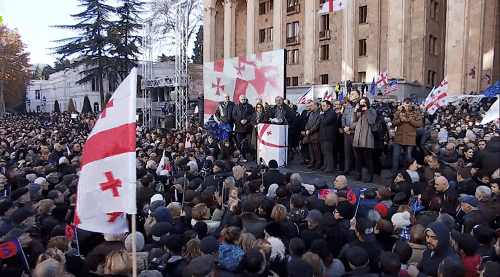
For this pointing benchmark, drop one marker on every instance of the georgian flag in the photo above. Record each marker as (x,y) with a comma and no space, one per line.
(333,6)
(382,79)
(107,183)
(437,97)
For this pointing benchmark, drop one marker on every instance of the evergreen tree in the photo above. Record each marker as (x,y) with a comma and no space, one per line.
(71,106)
(123,36)
(87,108)
(91,43)
(57,109)
(198,47)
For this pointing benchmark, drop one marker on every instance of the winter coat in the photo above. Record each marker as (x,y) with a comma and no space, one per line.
(346,116)
(472,219)
(242,111)
(224,112)
(406,133)
(273,177)
(253,224)
(328,126)
(312,125)
(432,258)
(489,207)
(363,137)
(288,113)
(488,159)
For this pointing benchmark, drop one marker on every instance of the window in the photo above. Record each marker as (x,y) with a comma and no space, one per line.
(291,81)
(362,76)
(262,8)
(363,12)
(95,84)
(37,94)
(434,9)
(270,34)
(325,22)
(362,47)
(431,77)
(271,6)
(262,35)
(292,56)
(324,52)
(96,107)
(292,6)
(323,78)
(432,44)
(291,3)
(292,29)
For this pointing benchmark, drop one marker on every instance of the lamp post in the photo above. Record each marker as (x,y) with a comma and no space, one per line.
(28,102)
(44,100)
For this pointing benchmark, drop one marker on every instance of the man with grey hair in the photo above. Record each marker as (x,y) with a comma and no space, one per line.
(49,268)
(489,206)
(242,113)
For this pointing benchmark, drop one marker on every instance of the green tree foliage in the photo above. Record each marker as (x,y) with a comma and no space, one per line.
(14,69)
(124,36)
(91,44)
(198,47)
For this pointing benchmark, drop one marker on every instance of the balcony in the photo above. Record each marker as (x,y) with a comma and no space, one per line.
(293,9)
(324,35)
(292,41)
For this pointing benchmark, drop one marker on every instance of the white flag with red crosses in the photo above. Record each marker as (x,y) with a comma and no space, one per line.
(107,183)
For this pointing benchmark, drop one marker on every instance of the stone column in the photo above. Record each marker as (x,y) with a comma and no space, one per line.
(229,29)
(279,24)
(349,40)
(208,33)
(396,39)
(252,22)
(456,43)
(474,46)
(308,38)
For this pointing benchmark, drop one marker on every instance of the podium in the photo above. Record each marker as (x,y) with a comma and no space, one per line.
(272,143)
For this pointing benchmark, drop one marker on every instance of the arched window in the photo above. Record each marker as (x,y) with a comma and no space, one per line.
(96,107)
(38,109)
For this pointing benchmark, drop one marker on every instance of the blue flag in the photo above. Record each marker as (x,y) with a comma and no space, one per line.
(492,91)
(341,95)
(372,88)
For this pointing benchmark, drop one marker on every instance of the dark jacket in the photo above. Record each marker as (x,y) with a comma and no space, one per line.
(288,114)
(472,219)
(328,126)
(432,258)
(490,208)
(224,112)
(488,159)
(253,224)
(273,177)
(312,125)
(242,111)
(365,205)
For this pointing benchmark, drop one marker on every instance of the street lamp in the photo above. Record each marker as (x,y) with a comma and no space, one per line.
(28,102)
(44,100)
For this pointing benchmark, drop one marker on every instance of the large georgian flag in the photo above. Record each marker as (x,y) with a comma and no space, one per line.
(107,184)
(382,79)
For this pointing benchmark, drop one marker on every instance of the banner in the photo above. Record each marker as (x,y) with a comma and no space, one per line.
(258,76)
(272,143)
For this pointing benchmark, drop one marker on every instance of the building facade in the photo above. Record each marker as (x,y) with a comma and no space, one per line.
(418,41)
(44,95)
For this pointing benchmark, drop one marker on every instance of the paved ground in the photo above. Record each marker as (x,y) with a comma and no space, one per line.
(309,176)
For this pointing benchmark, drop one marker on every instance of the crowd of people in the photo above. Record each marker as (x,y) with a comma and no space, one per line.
(203,211)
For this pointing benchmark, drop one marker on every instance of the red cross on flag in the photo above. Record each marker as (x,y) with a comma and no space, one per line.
(382,79)
(107,184)
(333,6)
(437,97)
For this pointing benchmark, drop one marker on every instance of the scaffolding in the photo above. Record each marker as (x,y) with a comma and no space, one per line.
(147,73)
(181,77)
(179,81)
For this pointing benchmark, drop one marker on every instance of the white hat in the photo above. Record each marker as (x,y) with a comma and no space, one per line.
(40,181)
(156,197)
(63,160)
(401,219)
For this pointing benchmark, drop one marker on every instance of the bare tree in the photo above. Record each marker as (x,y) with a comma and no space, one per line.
(164,18)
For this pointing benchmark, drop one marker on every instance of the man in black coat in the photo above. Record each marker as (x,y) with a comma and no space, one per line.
(224,111)
(273,176)
(242,113)
(327,134)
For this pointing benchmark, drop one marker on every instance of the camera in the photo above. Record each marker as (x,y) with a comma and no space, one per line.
(360,109)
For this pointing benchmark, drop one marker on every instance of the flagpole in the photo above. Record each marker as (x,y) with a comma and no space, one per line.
(346,48)
(134,248)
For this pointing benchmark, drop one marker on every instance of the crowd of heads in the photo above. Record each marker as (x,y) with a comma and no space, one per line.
(203,212)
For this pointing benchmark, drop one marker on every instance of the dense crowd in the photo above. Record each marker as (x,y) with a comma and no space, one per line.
(203,211)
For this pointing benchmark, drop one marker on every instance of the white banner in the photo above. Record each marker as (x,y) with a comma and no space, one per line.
(272,143)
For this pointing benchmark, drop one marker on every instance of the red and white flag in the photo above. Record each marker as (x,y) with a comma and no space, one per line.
(333,6)
(307,96)
(437,97)
(329,96)
(107,183)
(382,79)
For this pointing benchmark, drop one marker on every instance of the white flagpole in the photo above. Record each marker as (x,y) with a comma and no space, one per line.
(347,47)
(134,248)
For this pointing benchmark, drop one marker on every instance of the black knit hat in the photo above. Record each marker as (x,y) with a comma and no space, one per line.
(357,256)
(209,245)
